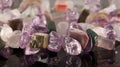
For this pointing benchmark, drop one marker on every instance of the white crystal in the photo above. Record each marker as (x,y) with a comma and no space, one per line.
(62,27)
(86,26)
(6,32)
(13,41)
(100,31)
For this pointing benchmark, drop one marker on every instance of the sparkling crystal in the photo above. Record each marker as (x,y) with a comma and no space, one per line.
(62,28)
(14,39)
(72,46)
(25,37)
(39,40)
(55,42)
(72,15)
(6,32)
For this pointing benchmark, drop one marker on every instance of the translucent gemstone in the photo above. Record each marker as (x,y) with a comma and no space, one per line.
(25,37)
(80,36)
(105,43)
(6,32)
(72,15)
(55,42)
(72,46)
(62,28)
(13,41)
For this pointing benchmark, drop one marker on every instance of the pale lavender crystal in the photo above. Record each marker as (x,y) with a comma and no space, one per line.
(72,46)
(72,15)
(55,42)
(5,4)
(25,36)
(39,23)
(75,26)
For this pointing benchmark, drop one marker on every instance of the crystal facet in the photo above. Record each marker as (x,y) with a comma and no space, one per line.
(6,32)
(55,42)
(72,46)
(13,41)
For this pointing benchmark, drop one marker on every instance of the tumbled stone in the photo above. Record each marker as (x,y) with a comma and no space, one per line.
(105,43)
(81,36)
(14,39)
(72,46)
(83,16)
(39,40)
(6,32)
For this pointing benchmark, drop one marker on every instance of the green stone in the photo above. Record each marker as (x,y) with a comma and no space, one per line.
(83,16)
(93,35)
(50,25)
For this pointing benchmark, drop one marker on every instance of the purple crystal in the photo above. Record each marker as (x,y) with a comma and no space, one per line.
(72,46)
(72,15)
(39,24)
(25,36)
(55,42)
(75,26)
(5,4)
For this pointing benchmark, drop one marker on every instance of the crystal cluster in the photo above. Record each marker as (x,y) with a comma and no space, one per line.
(87,35)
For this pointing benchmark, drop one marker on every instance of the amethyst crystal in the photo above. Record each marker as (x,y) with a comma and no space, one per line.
(72,46)
(55,42)
(25,36)
(5,4)
(72,15)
